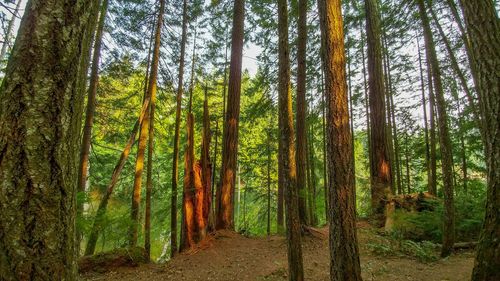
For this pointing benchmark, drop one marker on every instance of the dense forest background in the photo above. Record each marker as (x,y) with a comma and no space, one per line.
(123,65)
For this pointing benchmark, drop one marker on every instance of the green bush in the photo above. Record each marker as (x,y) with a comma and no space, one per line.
(427,225)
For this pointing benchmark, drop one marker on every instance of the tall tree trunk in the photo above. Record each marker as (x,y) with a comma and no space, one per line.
(344,253)
(224,93)
(268,179)
(287,149)
(444,138)
(312,190)
(365,89)
(225,202)
(407,162)
(10,27)
(204,198)
(323,125)
(301,109)
(144,131)
(483,27)
(391,120)
(41,110)
(351,115)
(89,115)
(175,162)
(389,110)
(189,230)
(426,129)
(381,175)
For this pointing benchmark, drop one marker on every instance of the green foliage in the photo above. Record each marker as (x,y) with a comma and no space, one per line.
(427,225)
(424,251)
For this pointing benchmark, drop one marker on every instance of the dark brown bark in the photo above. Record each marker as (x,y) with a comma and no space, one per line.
(366,99)
(344,253)
(41,106)
(325,170)
(224,93)
(392,126)
(144,130)
(206,175)
(301,110)
(444,138)
(175,162)
(483,27)
(287,149)
(189,230)
(312,189)
(381,175)
(225,204)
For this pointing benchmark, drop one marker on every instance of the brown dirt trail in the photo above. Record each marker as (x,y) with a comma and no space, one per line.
(230,256)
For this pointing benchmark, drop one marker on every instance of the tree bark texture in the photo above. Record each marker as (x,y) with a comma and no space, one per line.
(40,120)
(483,27)
(344,252)
(381,175)
(301,110)
(225,202)
(287,150)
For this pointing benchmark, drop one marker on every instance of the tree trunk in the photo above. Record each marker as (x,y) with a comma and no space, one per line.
(301,110)
(381,175)
(144,131)
(89,115)
(204,198)
(175,162)
(225,202)
(287,149)
(325,170)
(312,190)
(407,162)
(188,234)
(444,138)
(344,253)
(351,115)
(483,27)
(426,129)
(41,110)
(268,179)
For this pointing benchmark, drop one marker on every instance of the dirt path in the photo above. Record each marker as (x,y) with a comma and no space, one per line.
(229,256)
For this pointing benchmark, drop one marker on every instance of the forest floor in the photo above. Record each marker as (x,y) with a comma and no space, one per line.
(230,256)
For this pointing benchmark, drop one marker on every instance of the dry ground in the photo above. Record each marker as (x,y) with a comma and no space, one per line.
(229,256)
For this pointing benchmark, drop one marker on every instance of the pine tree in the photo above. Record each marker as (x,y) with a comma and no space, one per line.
(344,253)
(381,175)
(286,153)
(225,202)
